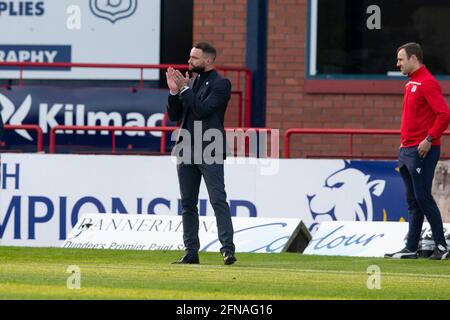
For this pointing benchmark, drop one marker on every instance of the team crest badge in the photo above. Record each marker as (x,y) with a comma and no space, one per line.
(113,10)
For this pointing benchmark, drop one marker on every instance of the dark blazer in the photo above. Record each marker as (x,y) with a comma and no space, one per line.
(208,105)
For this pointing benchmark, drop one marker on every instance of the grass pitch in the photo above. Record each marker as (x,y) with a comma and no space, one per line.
(40,273)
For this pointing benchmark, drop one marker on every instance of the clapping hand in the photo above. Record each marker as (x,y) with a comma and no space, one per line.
(176,80)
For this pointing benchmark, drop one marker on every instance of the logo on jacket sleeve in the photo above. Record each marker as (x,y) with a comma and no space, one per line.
(113,10)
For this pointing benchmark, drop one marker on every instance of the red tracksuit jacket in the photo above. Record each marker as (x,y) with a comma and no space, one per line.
(425,111)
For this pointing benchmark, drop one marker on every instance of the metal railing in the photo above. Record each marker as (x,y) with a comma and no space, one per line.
(34,127)
(349,132)
(163,129)
(242,74)
(52,139)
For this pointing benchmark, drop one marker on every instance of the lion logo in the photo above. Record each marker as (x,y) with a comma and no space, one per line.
(345,195)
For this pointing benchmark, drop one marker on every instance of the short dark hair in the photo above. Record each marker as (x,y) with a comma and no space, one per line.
(412,48)
(206,48)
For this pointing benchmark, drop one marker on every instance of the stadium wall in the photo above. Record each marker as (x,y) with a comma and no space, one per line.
(289,104)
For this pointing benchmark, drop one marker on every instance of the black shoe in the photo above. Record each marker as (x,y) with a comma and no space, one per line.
(229,258)
(189,258)
(402,254)
(439,253)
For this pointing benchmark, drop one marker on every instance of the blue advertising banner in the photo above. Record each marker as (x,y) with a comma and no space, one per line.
(384,183)
(44,195)
(35,53)
(342,190)
(52,106)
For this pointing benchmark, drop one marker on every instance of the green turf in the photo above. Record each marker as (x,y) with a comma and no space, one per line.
(40,273)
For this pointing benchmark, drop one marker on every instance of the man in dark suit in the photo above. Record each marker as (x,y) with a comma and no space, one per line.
(199,104)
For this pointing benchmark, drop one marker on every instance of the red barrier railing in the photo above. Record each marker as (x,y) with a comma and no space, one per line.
(350,132)
(244,94)
(34,127)
(162,146)
(52,139)
(163,130)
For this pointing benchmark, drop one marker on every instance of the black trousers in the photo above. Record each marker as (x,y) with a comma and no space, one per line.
(417,174)
(189,176)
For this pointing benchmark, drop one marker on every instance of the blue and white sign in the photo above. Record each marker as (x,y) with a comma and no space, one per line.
(80,31)
(363,239)
(35,53)
(42,196)
(136,232)
(336,190)
(49,107)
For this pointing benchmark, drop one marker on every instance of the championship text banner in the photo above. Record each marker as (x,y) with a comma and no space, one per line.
(43,195)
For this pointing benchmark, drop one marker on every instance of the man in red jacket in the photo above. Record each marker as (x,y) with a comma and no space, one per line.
(425,117)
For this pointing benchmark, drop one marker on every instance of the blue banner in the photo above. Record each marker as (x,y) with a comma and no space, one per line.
(35,53)
(390,203)
(355,191)
(52,106)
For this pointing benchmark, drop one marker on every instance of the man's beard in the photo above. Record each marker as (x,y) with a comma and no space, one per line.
(198,69)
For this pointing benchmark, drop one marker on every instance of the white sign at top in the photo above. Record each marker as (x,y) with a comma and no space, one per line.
(80,31)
